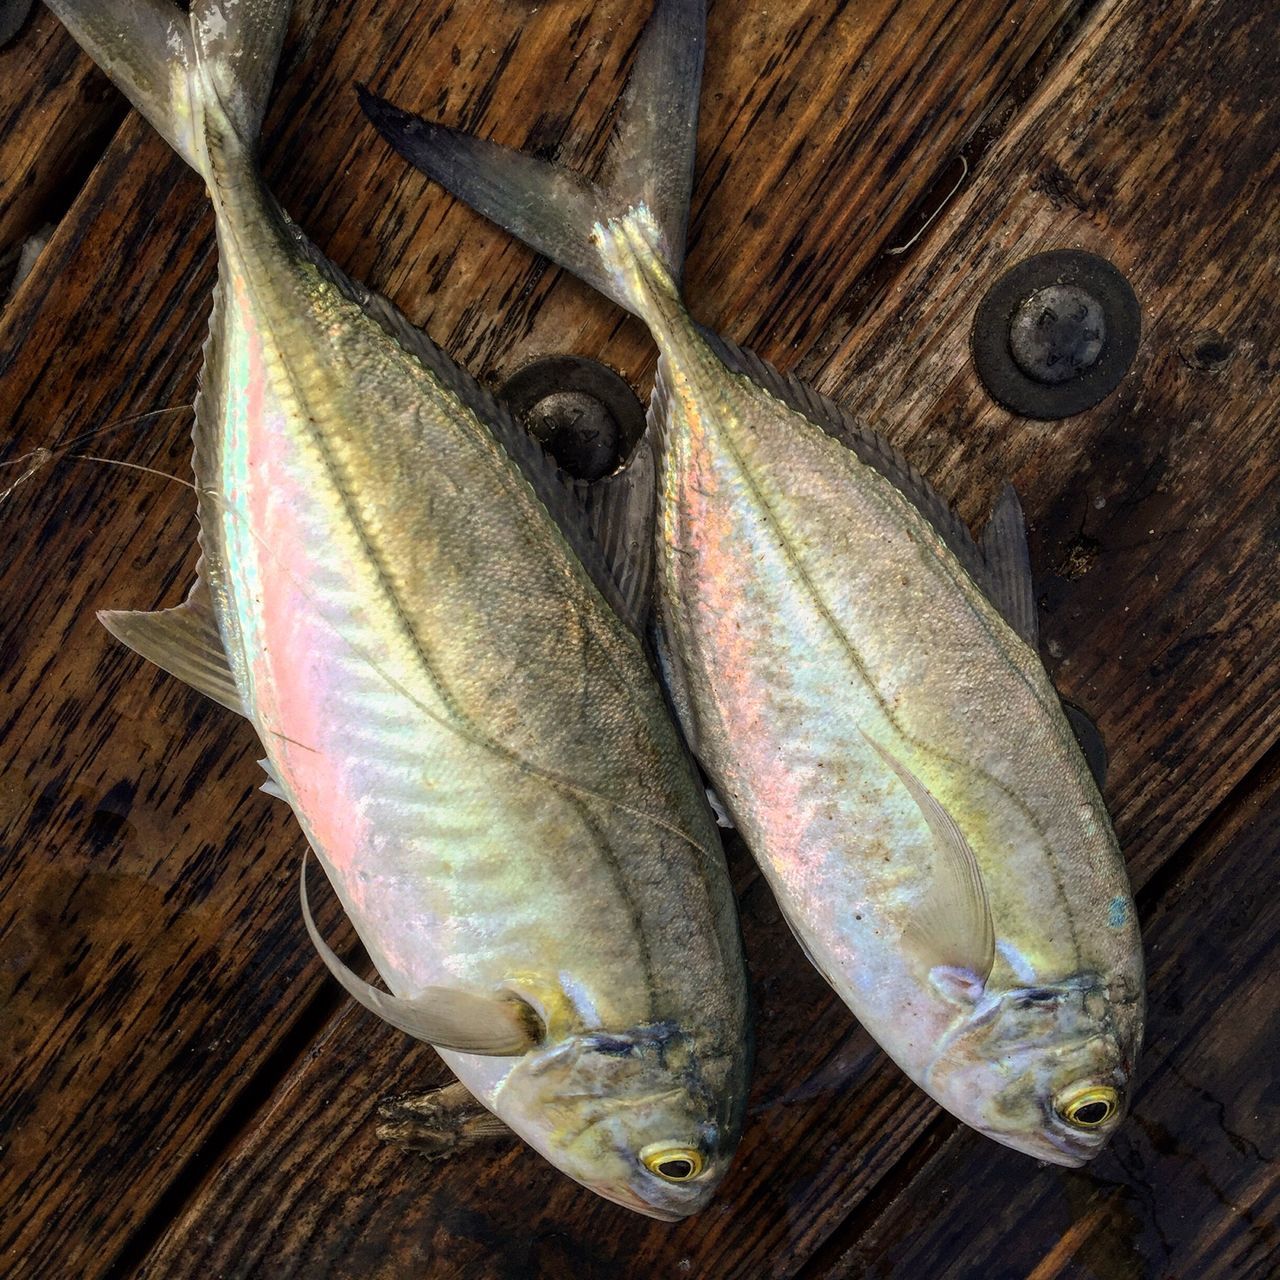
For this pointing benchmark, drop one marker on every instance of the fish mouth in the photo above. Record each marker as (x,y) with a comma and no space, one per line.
(1050,1147)
(1076,1154)
(629,1200)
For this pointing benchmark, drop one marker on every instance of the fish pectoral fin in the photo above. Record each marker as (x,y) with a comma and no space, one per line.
(1004,547)
(183,641)
(492,1025)
(439,1122)
(952,930)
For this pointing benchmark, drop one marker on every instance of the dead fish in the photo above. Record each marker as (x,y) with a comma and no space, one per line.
(470,735)
(858,677)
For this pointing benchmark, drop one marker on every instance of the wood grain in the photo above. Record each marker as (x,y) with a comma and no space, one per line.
(156,980)
(822,123)
(308,1190)
(1157,573)
(1154,515)
(57,113)
(832,1118)
(191,939)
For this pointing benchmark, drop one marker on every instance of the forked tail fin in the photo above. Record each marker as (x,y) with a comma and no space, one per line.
(642,199)
(173,65)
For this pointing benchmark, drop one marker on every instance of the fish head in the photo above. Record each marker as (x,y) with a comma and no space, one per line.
(631,1115)
(1046,1070)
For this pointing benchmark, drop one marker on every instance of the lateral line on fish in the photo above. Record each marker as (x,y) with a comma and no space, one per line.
(212,132)
(229,221)
(341,484)
(851,650)
(485,743)
(959,579)
(609,856)
(476,739)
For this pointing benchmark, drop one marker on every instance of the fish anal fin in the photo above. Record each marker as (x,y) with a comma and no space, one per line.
(439,1123)
(723,817)
(490,1025)
(620,511)
(952,931)
(273,786)
(1004,548)
(184,641)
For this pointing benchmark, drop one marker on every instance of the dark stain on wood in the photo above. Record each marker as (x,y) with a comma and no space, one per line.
(184,1094)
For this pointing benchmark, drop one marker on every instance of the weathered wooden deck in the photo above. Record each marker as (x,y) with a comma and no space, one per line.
(185,1093)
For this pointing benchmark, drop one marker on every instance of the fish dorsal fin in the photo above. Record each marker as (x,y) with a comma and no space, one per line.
(869,446)
(491,1025)
(559,494)
(952,930)
(620,511)
(183,641)
(1004,547)
(1089,738)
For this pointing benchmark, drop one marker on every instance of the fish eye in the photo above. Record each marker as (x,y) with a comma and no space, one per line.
(1090,1108)
(674,1164)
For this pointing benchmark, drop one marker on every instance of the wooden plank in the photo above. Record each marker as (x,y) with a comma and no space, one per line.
(821,125)
(1154,514)
(57,113)
(152,957)
(1157,573)
(1191,1185)
(832,1118)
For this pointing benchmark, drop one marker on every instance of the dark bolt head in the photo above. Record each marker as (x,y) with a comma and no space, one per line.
(1057,332)
(580,411)
(578,431)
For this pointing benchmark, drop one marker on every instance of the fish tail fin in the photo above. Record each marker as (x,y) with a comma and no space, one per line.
(180,68)
(594,230)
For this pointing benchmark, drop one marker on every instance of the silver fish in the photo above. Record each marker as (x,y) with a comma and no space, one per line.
(857,676)
(471,737)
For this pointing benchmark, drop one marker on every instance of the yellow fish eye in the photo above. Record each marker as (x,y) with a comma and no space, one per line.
(1090,1108)
(673,1164)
